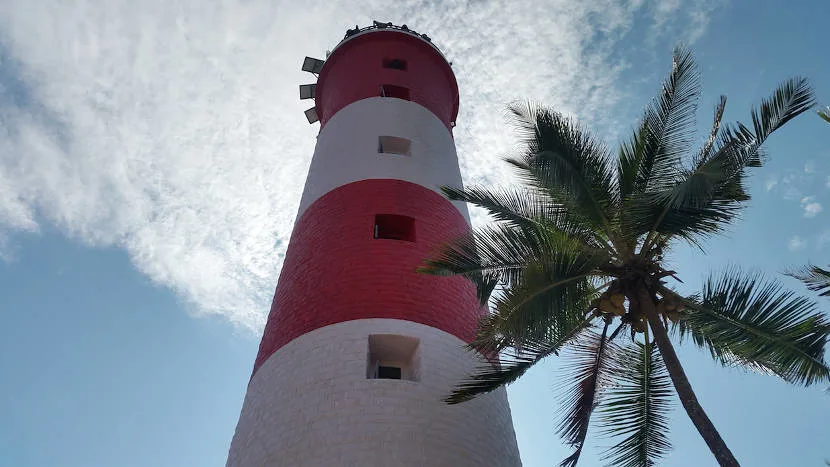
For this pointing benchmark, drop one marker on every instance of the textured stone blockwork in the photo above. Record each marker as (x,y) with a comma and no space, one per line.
(311,404)
(355,72)
(335,270)
(347,149)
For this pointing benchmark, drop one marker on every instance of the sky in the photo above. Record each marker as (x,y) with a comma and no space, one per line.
(152,156)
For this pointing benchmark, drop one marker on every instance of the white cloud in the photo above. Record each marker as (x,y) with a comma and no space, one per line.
(173,129)
(770,183)
(792,194)
(809,167)
(692,15)
(810,206)
(823,239)
(812,209)
(791,183)
(796,243)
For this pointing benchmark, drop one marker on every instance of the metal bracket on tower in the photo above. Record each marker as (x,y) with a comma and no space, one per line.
(313,65)
(311,115)
(308,91)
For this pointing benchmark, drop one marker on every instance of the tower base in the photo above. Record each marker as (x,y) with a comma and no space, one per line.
(320,400)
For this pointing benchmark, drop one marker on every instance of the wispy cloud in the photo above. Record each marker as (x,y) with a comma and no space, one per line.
(812,209)
(791,184)
(794,186)
(810,206)
(173,129)
(796,243)
(693,15)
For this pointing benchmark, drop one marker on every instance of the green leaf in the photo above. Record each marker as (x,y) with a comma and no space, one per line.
(583,380)
(815,278)
(703,204)
(651,160)
(534,305)
(744,321)
(790,99)
(504,253)
(824,114)
(526,207)
(487,255)
(635,410)
(706,150)
(712,193)
(522,206)
(513,364)
(563,159)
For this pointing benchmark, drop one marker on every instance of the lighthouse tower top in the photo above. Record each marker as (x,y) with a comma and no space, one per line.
(388,61)
(378,26)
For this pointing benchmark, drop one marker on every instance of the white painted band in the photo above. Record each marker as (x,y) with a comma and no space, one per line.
(311,404)
(347,149)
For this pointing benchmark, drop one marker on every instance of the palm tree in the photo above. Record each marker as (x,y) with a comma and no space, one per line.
(575,260)
(825,114)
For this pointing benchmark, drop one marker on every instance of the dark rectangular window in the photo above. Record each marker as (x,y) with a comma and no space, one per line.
(394,145)
(394,64)
(392,356)
(389,372)
(394,227)
(391,90)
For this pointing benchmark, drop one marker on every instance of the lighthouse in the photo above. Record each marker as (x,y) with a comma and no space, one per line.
(359,349)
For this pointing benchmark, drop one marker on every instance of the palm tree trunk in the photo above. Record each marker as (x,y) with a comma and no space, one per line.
(681,384)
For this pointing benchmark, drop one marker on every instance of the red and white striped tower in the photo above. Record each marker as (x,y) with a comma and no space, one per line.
(359,348)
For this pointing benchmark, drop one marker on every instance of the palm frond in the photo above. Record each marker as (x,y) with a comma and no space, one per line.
(651,160)
(631,155)
(745,321)
(815,278)
(513,364)
(562,158)
(792,98)
(534,305)
(824,114)
(704,203)
(526,207)
(517,206)
(583,382)
(502,253)
(712,193)
(487,255)
(635,410)
(706,150)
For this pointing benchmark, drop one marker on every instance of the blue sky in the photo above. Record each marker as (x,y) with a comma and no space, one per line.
(151,162)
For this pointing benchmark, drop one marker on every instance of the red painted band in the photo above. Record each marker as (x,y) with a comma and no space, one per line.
(355,71)
(335,270)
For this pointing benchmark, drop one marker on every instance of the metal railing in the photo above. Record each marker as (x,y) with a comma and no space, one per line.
(377,25)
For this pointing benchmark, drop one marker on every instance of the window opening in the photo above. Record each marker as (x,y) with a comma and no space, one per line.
(394,227)
(394,64)
(388,372)
(392,356)
(394,145)
(391,90)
